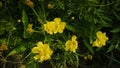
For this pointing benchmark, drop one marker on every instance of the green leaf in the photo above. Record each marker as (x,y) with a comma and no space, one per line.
(77,61)
(117,16)
(111,47)
(62,6)
(94,1)
(71,28)
(118,48)
(98,49)
(25,23)
(106,18)
(89,47)
(32,64)
(115,30)
(17,50)
(111,58)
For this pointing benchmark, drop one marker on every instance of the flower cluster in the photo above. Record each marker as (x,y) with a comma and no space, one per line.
(43,52)
(72,44)
(101,39)
(55,26)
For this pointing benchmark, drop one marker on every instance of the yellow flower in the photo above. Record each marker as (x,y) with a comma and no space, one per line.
(3,47)
(54,26)
(29,28)
(101,39)
(72,44)
(57,20)
(50,27)
(43,52)
(59,25)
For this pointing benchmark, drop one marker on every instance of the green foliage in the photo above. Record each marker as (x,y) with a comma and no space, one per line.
(25,23)
(17,50)
(83,18)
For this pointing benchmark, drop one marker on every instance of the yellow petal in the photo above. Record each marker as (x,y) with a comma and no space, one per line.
(39,44)
(45,27)
(97,43)
(74,37)
(50,27)
(74,45)
(67,44)
(61,27)
(57,20)
(35,50)
(36,57)
(42,58)
(47,50)
(99,34)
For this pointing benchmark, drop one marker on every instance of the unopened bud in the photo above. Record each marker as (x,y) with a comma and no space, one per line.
(29,29)
(19,21)
(72,18)
(14,28)
(29,3)
(90,57)
(50,6)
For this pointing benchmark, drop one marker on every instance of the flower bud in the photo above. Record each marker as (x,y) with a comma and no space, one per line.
(29,3)
(50,6)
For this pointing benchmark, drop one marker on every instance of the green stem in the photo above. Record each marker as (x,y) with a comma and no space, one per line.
(65,65)
(77,60)
(89,47)
(43,11)
(39,19)
(27,56)
(51,64)
(10,33)
(106,4)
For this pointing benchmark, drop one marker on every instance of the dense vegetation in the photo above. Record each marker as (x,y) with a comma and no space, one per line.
(59,33)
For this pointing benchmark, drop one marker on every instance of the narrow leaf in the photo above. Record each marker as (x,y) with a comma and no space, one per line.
(25,23)
(115,30)
(32,64)
(17,50)
(89,47)
(112,58)
(111,47)
(70,28)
